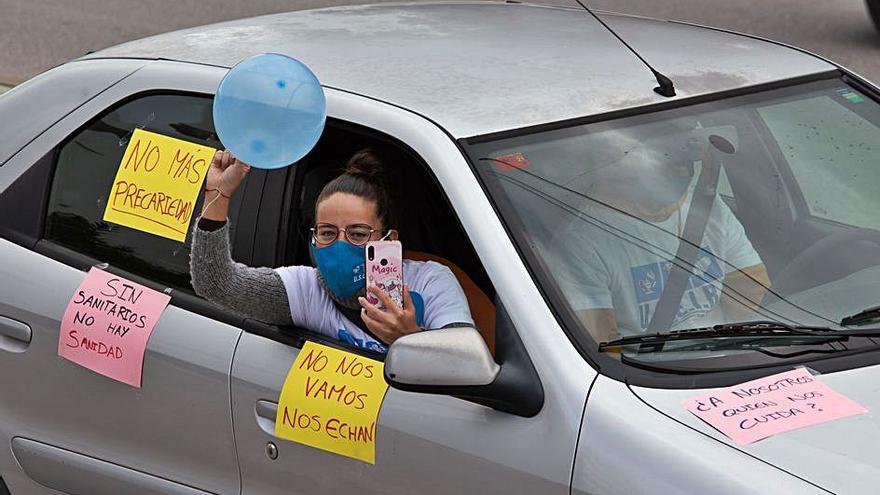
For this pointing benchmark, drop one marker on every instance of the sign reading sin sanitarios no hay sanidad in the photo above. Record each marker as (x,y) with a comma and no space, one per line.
(107,324)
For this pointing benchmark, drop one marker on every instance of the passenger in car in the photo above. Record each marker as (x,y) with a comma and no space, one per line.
(622,244)
(352,209)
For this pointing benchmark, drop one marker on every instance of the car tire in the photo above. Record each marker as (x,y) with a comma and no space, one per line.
(874,10)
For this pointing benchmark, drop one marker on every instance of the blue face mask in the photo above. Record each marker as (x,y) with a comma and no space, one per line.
(342,266)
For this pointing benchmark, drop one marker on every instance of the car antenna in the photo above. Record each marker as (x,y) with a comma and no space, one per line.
(665,87)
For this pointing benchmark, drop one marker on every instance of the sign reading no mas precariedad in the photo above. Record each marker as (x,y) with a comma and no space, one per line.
(157,184)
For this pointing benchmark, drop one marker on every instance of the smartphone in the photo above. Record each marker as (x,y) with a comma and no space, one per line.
(384,265)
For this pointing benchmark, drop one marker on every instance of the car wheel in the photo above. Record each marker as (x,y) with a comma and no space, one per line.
(874,10)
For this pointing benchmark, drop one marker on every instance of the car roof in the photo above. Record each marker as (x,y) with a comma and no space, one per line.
(480,68)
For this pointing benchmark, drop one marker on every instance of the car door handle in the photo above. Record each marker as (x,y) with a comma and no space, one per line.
(15,336)
(266,411)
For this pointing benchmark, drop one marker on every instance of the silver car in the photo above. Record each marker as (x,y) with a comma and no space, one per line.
(501,118)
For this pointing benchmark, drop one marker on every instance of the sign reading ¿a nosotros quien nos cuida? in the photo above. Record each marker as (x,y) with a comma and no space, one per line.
(768,406)
(157,184)
(331,401)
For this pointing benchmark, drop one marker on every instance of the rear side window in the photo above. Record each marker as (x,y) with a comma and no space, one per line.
(86,166)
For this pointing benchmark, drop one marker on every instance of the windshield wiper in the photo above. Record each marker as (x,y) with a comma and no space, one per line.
(862,317)
(744,329)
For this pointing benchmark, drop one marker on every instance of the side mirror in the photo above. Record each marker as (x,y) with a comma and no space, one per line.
(456,362)
(450,357)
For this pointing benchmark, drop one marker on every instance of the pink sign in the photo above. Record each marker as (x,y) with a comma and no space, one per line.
(107,324)
(761,408)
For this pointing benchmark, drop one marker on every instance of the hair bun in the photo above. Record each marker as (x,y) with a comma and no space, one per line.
(365,163)
(364,177)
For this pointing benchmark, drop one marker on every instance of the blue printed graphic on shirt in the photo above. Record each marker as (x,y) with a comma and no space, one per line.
(373,345)
(419,304)
(702,293)
(369,344)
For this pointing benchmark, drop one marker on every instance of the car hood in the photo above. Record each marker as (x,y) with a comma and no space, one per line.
(842,456)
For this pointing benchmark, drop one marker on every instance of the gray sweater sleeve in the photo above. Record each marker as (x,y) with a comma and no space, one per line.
(256,293)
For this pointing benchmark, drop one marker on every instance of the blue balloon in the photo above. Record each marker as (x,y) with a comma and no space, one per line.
(269,110)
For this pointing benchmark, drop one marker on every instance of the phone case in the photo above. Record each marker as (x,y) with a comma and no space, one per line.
(384,265)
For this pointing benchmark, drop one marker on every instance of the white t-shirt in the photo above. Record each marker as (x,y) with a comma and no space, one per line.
(622,263)
(437,297)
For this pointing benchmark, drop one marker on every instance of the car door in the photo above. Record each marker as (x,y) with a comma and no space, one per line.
(426,443)
(63,427)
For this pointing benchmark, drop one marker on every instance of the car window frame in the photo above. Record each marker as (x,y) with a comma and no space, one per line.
(259,210)
(171,76)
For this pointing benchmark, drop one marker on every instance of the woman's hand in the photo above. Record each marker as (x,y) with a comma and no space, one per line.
(393,322)
(226,172)
(224,177)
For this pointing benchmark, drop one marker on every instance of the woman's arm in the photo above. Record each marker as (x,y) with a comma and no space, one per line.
(256,293)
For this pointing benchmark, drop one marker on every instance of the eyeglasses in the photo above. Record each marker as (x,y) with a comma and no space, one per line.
(358,234)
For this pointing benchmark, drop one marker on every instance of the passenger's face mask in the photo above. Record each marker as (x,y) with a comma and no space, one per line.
(651,183)
(342,266)
(664,190)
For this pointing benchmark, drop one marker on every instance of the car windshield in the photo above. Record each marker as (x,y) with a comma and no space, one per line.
(761,207)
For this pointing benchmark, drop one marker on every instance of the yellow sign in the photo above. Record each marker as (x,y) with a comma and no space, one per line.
(331,401)
(157,184)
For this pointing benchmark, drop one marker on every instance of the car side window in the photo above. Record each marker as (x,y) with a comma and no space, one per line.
(426,221)
(85,169)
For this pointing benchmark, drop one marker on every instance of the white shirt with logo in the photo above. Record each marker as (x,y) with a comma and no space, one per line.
(615,261)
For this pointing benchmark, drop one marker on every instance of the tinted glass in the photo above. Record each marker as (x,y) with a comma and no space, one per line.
(612,213)
(87,164)
(831,140)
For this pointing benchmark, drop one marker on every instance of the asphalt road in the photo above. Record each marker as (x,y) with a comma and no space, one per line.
(38,34)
